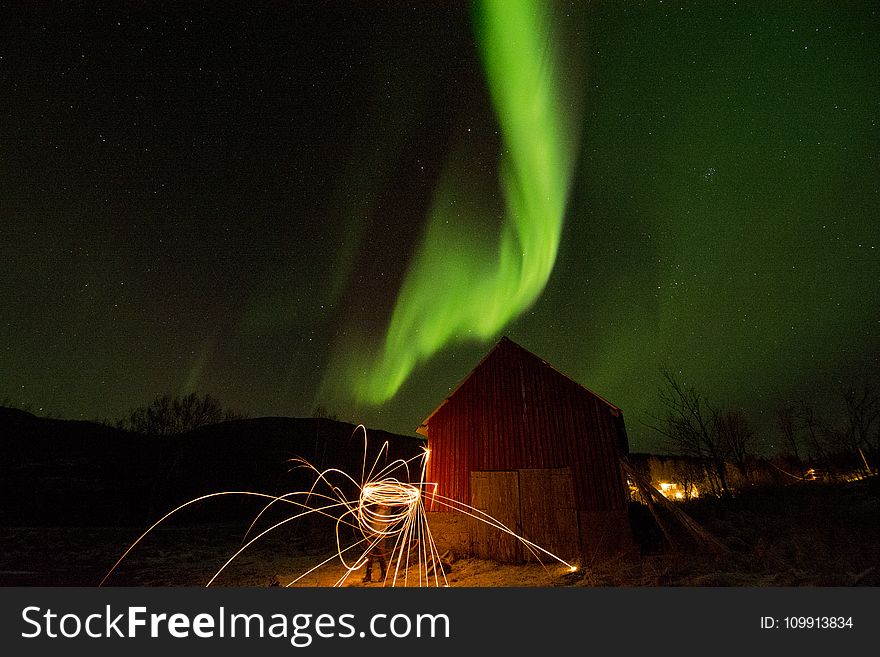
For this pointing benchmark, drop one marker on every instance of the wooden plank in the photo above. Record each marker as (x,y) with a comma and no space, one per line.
(549,512)
(496,494)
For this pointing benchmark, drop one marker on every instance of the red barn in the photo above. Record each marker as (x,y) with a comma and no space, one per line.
(536,450)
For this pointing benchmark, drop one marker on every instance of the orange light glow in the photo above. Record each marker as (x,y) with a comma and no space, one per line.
(386,509)
(675,491)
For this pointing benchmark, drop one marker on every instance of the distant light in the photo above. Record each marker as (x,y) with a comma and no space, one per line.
(677,491)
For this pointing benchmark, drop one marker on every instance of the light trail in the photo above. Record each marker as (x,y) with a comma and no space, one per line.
(388,508)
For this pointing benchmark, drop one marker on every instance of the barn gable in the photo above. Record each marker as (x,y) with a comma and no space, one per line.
(515,413)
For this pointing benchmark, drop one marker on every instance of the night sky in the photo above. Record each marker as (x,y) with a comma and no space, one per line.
(232,202)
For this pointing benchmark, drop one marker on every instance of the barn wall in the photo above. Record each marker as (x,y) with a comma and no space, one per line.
(452,532)
(516,412)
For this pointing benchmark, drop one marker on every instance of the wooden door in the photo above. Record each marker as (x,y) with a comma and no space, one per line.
(548,512)
(496,494)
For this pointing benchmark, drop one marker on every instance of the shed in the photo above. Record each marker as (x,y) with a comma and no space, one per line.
(526,444)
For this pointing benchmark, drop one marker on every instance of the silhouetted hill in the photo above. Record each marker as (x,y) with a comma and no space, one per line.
(61,472)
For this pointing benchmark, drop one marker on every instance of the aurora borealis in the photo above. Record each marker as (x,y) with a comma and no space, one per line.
(459,286)
(254,203)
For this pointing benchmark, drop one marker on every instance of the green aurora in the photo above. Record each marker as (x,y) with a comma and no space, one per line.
(467,282)
(690,185)
(722,220)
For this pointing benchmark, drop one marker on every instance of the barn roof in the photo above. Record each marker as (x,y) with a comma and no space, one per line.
(505,343)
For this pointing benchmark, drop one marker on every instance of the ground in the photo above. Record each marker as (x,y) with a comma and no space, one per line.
(799,536)
(57,556)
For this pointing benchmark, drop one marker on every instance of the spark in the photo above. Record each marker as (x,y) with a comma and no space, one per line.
(388,507)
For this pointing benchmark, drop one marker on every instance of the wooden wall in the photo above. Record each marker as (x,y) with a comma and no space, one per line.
(516,412)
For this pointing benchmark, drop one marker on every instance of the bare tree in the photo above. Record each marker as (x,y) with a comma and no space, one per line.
(851,439)
(322,412)
(691,474)
(789,426)
(167,416)
(170,416)
(806,416)
(861,433)
(736,439)
(693,427)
